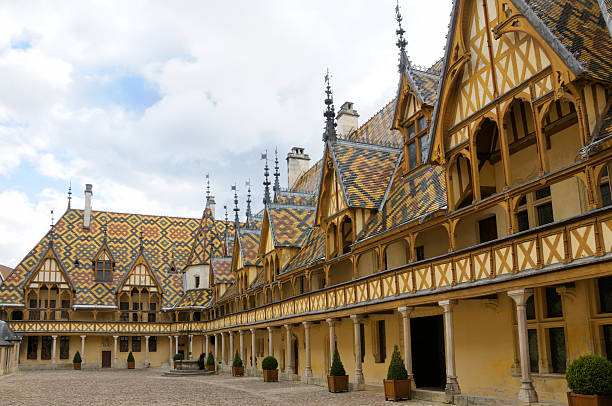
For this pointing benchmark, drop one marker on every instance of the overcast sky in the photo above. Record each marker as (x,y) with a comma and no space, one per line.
(143,98)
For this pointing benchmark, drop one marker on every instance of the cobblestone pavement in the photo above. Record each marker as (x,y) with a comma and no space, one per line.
(148,387)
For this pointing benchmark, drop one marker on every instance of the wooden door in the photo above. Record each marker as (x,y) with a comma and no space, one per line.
(106,359)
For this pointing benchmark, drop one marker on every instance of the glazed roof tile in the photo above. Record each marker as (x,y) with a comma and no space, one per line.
(427,85)
(309,181)
(166,240)
(421,193)
(296,198)
(249,246)
(202,247)
(222,270)
(377,130)
(290,225)
(195,298)
(313,250)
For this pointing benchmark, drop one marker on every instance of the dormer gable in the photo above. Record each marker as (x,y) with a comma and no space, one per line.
(140,275)
(49,271)
(103,264)
(332,198)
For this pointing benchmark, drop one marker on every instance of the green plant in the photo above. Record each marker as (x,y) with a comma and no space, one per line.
(130,357)
(397,370)
(590,375)
(269,363)
(237,361)
(77,358)
(178,357)
(337,369)
(210,360)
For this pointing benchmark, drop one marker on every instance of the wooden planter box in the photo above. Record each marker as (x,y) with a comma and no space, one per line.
(210,368)
(77,365)
(270,375)
(574,399)
(131,365)
(238,371)
(175,364)
(397,389)
(337,384)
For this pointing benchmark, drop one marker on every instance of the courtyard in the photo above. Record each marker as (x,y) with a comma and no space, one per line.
(148,387)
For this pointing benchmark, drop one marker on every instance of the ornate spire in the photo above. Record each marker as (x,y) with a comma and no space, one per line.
(225,207)
(276,175)
(248,208)
(207,187)
(266,183)
(330,114)
(210,199)
(52,232)
(69,193)
(236,209)
(401,41)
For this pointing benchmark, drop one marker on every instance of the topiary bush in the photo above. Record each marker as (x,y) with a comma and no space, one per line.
(269,363)
(77,358)
(397,369)
(210,360)
(237,360)
(590,375)
(337,369)
(130,357)
(178,357)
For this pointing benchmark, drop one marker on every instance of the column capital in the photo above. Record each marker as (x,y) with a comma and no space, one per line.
(271,328)
(520,296)
(176,337)
(405,310)
(83,337)
(307,324)
(447,305)
(252,330)
(331,322)
(170,337)
(241,332)
(287,326)
(357,318)
(230,333)
(54,337)
(147,337)
(115,337)
(190,335)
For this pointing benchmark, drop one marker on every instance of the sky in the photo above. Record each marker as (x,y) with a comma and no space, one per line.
(143,98)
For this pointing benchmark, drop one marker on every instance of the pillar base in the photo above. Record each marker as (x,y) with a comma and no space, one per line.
(289,371)
(527,393)
(452,387)
(359,378)
(412,383)
(308,373)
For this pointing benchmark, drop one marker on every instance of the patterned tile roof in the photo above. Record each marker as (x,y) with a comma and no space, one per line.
(436,68)
(427,85)
(229,293)
(309,181)
(259,280)
(165,239)
(196,298)
(222,270)
(201,249)
(249,246)
(290,225)
(377,130)
(364,171)
(422,193)
(313,250)
(296,198)
(580,27)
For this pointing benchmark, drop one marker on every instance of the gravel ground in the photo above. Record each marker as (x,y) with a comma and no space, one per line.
(148,387)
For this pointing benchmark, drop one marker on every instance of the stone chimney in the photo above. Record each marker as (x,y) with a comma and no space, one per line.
(347,120)
(210,204)
(87,211)
(297,163)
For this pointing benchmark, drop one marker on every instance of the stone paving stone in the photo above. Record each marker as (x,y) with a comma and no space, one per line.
(148,387)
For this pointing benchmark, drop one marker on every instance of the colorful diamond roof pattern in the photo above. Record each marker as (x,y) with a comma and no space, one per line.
(309,181)
(290,225)
(249,246)
(165,239)
(210,238)
(313,250)
(222,270)
(195,298)
(296,198)
(427,85)
(377,130)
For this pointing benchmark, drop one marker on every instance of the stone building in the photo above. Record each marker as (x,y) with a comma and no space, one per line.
(488,267)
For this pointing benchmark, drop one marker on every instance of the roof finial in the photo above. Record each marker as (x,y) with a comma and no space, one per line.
(276,175)
(248,208)
(207,187)
(401,41)
(225,207)
(141,242)
(330,114)
(104,228)
(69,193)
(266,183)
(52,232)
(236,209)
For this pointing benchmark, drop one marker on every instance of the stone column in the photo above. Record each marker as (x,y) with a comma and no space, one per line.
(216,348)
(289,361)
(83,349)
(53,351)
(176,344)
(147,363)
(527,392)
(115,352)
(271,341)
(223,360)
(230,335)
(405,312)
(190,346)
(253,360)
(452,385)
(332,340)
(308,370)
(170,351)
(357,327)
(242,347)
(207,338)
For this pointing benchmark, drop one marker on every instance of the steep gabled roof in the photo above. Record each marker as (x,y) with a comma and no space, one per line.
(195,298)
(296,198)
(222,270)
(248,241)
(202,247)
(309,181)
(377,130)
(313,251)
(290,225)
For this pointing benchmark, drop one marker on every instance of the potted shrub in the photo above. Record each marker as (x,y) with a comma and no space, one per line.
(130,361)
(177,357)
(237,366)
(397,385)
(270,369)
(337,380)
(590,380)
(76,361)
(210,362)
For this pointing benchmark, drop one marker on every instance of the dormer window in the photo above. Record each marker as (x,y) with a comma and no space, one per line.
(416,131)
(103,267)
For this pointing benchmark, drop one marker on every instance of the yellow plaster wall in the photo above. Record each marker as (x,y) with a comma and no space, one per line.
(397,254)
(467,233)
(434,240)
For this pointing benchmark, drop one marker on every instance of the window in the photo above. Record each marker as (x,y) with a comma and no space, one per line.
(135,307)
(545,213)
(65,305)
(556,336)
(197,281)
(487,229)
(103,267)
(152,316)
(136,344)
(64,347)
(553,303)
(381,341)
(607,332)
(153,344)
(415,141)
(32,347)
(534,359)
(534,209)
(522,218)
(605,294)
(124,343)
(45,348)
(362,338)
(33,314)
(420,252)
(124,307)
(604,188)
(412,155)
(422,123)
